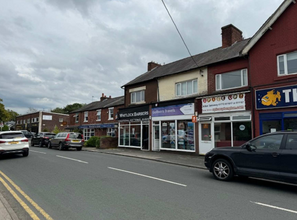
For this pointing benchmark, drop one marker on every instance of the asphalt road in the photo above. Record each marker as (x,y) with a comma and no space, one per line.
(83,185)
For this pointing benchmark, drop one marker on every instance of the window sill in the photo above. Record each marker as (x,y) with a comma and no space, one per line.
(285,77)
(110,119)
(136,103)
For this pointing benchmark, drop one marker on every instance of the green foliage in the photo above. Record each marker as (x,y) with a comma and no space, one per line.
(5,128)
(12,115)
(56,129)
(3,113)
(68,108)
(45,130)
(93,142)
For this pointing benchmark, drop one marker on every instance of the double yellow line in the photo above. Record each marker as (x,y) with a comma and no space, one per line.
(22,203)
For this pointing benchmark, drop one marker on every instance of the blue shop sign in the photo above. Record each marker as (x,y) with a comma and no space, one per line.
(280,97)
(182,109)
(97,126)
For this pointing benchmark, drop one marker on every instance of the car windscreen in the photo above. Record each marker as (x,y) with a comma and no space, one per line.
(74,135)
(11,135)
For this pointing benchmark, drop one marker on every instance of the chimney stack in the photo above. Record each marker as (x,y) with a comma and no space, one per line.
(103,97)
(230,34)
(151,65)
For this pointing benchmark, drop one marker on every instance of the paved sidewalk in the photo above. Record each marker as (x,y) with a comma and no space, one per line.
(178,158)
(6,212)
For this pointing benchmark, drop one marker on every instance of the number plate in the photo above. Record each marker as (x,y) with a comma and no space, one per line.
(75,141)
(13,142)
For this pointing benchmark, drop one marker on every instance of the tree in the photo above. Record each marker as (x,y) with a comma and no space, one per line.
(56,129)
(68,109)
(11,115)
(3,113)
(58,110)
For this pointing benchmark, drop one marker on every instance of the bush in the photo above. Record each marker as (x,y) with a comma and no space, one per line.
(93,142)
(56,129)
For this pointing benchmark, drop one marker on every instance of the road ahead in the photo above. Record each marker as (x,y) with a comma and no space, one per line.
(84,185)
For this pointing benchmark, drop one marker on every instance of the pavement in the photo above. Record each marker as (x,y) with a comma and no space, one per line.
(170,157)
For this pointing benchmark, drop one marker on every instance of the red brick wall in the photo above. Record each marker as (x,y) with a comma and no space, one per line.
(281,39)
(224,67)
(150,92)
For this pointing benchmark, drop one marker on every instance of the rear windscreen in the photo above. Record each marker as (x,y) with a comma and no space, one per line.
(11,135)
(49,135)
(77,136)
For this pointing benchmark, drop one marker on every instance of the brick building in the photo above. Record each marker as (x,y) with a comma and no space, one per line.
(97,118)
(42,121)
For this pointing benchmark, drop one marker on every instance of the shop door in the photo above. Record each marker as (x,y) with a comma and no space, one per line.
(145,137)
(205,138)
(156,138)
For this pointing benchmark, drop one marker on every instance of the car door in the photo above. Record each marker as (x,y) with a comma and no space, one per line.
(265,160)
(55,140)
(288,158)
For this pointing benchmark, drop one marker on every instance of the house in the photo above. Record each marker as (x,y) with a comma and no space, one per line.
(42,121)
(272,53)
(98,118)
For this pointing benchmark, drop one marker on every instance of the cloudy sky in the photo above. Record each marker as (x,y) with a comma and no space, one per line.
(58,52)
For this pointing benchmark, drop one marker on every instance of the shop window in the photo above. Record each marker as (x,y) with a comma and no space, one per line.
(230,80)
(135,135)
(110,113)
(99,115)
(290,124)
(111,132)
(185,135)
(186,88)
(88,133)
(222,134)
(168,134)
(241,133)
(271,126)
(86,116)
(137,97)
(206,132)
(287,64)
(124,135)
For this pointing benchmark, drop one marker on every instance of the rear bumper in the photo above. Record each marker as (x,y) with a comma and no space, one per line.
(16,151)
(73,145)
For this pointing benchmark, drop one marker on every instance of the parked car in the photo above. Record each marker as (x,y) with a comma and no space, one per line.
(42,138)
(270,156)
(27,134)
(14,142)
(66,140)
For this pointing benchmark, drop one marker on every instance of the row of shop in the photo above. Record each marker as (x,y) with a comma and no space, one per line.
(200,124)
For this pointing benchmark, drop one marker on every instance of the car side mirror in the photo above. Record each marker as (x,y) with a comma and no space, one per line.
(250,147)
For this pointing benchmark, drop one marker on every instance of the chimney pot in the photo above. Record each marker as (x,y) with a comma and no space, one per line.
(230,34)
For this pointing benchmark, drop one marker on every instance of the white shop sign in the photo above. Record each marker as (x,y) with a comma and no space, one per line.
(225,103)
(47,117)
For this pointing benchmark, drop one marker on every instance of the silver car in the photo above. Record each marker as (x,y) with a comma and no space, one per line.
(66,140)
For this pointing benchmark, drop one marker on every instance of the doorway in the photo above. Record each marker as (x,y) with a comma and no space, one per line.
(206,138)
(145,137)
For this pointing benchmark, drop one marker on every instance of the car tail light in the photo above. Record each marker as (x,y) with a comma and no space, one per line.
(67,138)
(82,140)
(46,137)
(2,142)
(25,140)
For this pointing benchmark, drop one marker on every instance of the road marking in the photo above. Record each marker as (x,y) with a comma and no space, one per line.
(38,152)
(274,207)
(151,177)
(22,203)
(68,158)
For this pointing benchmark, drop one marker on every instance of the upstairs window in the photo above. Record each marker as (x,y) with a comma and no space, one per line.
(76,117)
(85,116)
(110,114)
(28,120)
(230,80)
(186,88)
(287,64)
(137,96)
(99,115)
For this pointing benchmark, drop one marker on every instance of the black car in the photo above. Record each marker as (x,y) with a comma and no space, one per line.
(27,134)
(42,138)
(270,156)
(66,140)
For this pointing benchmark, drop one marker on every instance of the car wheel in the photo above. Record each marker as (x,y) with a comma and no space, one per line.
(40,144)
(26,153)
(78,149)
(49,145)
(222,170)
(61,146)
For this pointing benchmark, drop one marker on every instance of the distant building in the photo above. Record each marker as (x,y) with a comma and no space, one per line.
(41,121)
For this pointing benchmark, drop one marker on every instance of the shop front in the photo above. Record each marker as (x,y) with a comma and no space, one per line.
(277,109)
(91,130)
(225,121)
(134,127)
(173,128)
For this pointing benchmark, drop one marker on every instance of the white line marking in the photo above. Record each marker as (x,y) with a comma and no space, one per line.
(151,177)
(37,152)
(274,207)
(68,158)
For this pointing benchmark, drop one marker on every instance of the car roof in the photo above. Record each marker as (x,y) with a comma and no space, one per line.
(3,132)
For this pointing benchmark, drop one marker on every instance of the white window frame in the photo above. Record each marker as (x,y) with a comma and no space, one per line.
(285,64)
(133,97)
(24,121)
(109,113)
(76,116)
(244,80)
(28,120)
(99,114)
(86,116)
(178,87)
(111,131)
(61,119)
